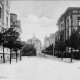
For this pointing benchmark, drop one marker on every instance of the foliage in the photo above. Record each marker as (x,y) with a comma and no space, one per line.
(23,43)
(60,45)
(1,38)
(49,50)
(74,40)
(49,47)
(17,45)
(9,37)
(28,50)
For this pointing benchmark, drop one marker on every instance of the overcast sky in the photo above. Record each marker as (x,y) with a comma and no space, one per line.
(39,17)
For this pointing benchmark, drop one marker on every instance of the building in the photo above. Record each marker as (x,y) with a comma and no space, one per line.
(50,40)
(5,13)
(46,42)
(16,24)
(68,22)
(37,44)
(4,23)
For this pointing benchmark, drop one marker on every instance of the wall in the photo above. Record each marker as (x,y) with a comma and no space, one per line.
(7,57)
(75,20)
(6,13)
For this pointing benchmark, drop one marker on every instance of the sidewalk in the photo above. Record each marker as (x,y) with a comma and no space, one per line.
(68,60)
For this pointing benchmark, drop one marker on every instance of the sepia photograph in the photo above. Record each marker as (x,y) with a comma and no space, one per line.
(39,40)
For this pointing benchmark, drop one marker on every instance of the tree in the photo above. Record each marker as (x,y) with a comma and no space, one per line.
(60,47)
(2,40)
(9,37)
(74,41)
(17,46)
(28,50)
(49,49)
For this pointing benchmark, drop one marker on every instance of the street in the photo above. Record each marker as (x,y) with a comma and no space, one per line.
(39,68)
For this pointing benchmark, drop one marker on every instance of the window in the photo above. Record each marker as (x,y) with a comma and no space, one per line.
(7,21)
(78,21)
(69,31)
(75,11)
(67,23)
(7,2)
(7,56)
(61,27)
(13,23)
(67,34)
(0,12)
(1,57)
(61,37)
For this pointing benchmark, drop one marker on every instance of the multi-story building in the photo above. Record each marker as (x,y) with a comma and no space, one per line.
(4,23)
(68,22)
(16,24)
(46,41)
(37,44)
(5,13)
(51,40)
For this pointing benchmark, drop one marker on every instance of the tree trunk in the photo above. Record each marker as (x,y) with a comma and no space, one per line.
(61,55)
(58,53)
(71,55)
(54,51)
(10,56)
(16,56)
(20,55)
(3,55)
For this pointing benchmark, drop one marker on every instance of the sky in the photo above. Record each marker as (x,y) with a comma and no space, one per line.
(39,17)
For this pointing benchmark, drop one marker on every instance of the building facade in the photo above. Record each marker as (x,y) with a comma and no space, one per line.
(51,40)
(68,22)
(4,23)
(46,42)
(5,13)
(37,44)
(16,24)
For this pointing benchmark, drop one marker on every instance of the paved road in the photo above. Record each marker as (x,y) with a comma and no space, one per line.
(39,68)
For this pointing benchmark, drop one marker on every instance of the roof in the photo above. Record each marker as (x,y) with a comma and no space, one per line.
(13,14)
(32,40)
(59,32)
(68,10)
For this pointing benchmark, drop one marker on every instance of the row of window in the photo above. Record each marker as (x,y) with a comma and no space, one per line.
(1,16)
(76,11)
(2,57)
(67,24)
